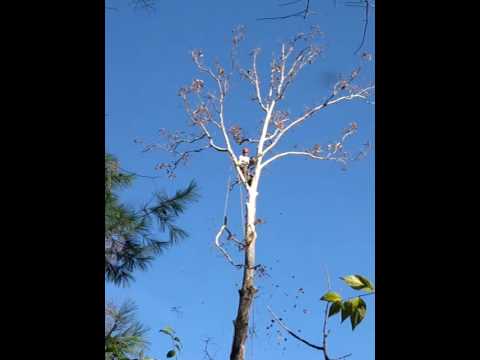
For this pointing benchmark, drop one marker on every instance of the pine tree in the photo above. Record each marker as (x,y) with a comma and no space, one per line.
(124,336)
(129,244)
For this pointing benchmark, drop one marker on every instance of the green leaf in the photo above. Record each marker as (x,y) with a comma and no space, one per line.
(346,310)
(358,282)
(168,330)
(335,308)
(358,314)
(177,346)
(171,353)
(353,281)
(368,285)
(177,339)
(331,296)
(355,302)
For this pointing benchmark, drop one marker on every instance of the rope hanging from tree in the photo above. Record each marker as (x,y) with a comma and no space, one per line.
(227,197)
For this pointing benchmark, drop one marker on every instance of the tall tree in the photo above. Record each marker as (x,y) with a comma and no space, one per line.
(206,111)
(129,241)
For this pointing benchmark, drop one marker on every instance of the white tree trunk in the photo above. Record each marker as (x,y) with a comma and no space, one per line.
(248,290)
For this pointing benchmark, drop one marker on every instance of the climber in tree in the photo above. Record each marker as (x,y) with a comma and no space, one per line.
(246,162)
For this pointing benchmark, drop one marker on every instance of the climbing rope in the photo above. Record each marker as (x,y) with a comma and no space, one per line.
(225,208)
(242,220)
(227,197)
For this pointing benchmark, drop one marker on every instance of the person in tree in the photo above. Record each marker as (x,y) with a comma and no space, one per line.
(246,162)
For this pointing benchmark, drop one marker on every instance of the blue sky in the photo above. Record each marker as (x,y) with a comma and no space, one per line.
(316,215)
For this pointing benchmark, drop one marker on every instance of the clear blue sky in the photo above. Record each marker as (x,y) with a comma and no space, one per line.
(316,215)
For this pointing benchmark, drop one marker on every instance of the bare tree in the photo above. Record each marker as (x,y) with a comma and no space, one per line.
(206,111)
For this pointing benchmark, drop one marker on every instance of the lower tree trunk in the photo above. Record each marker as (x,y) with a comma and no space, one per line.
(247,292)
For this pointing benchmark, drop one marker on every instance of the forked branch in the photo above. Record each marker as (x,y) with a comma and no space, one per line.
(325,332)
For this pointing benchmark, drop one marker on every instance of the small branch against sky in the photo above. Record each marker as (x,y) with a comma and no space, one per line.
(138,175)
(292,333)
(207,355)
(325,333)
(366,4)
(305,11)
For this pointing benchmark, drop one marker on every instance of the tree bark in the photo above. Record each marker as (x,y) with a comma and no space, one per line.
(248,290)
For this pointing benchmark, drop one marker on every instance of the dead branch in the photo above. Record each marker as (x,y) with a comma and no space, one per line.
(361,94)
(365,4)
(207,355)
(302,13)
(222,250)
(253,78)
(279,322)
(335,151)
(306,342)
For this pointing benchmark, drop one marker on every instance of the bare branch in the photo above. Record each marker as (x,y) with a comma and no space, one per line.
(365,26)
(281,77)
(304,153)
(222,250)
(290,3)
(183,157)
(222,84)
(222,88)
(137,174)
(237,134)
(308,343)
(207,355)
(279,322)
(325,331)
(253,78)
(210,139)
(362,94)
(335,151)
(238,34)
(361,295)
(272,136)
(304,57)
(302,13)
(178,139)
